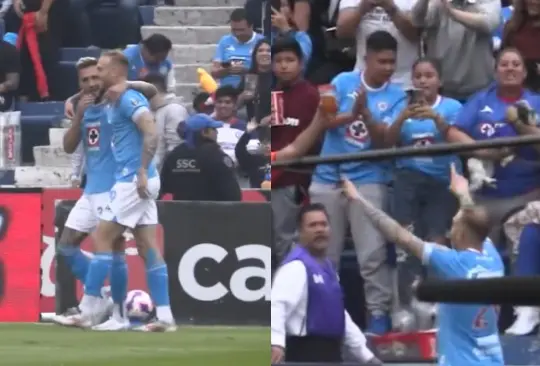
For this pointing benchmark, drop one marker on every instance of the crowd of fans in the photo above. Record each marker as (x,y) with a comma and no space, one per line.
(408,73)
(238,96)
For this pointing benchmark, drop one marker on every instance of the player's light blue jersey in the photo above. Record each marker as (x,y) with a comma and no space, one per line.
(229,49)
(383,103)
(96,137)
(424,132)
(127,140)
(468,334)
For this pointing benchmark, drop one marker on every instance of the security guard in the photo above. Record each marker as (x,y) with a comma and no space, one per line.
(198,170)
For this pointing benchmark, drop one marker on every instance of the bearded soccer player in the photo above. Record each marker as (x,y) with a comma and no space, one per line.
(468,335)
(90,129)
(132,199)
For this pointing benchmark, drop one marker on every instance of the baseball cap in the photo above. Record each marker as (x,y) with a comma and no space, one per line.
(201,121)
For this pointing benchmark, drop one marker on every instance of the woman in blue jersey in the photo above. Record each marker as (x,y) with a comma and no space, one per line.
(421,198)
(484,117)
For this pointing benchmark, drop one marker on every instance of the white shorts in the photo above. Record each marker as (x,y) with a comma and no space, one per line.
(86,213)
(128,209)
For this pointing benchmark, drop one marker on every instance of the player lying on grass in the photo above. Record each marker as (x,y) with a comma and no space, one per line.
(468,335)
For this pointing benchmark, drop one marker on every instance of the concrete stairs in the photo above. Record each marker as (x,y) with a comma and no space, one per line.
(52,167)
(194,27)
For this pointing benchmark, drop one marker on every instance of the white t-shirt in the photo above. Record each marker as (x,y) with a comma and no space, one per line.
(376,20)
(228,137)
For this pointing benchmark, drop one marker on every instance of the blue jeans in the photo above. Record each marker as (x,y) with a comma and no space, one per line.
(423,202)
(427,206)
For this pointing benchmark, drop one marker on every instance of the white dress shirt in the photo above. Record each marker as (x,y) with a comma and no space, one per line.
(289,307)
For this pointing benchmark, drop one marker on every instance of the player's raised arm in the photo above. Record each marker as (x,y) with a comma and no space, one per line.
(390,228)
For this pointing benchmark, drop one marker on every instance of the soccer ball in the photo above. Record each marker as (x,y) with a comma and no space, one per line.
(139,306)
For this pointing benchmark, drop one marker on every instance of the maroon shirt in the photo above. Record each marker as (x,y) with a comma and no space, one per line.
(300,102)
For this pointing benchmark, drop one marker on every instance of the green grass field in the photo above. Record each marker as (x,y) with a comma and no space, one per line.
(49,345)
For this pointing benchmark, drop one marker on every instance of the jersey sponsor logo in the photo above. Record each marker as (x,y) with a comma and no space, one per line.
(357,133)
(92,137)
(382,106)
(221,286)
(486,129)
(423,141)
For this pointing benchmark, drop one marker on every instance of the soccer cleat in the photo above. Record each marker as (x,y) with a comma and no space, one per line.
(61,319)
(527,319)
(112,325)
(156,327)
(88,319)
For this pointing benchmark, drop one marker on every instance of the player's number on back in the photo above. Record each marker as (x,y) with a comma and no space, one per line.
(480,321)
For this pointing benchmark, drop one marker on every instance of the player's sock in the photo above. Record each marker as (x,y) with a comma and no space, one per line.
(119,279)
(99,269)
(528,259)
(158,284)
(76,260)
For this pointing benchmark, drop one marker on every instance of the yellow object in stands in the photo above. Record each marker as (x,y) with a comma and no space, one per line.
(206,81)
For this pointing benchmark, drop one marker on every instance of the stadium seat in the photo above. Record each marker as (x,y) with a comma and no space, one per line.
(36,119)
(147,14)
(74,54)
(41,109)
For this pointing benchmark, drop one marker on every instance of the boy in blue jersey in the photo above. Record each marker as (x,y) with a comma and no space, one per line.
(468,335)
(233,53)
(151,56)
(132,199)
(371,110)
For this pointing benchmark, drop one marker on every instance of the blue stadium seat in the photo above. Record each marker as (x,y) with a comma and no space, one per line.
(147,14)
(41,109)
(74,54)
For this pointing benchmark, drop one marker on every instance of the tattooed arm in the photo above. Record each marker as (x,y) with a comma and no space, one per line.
(388,227)
(146,124)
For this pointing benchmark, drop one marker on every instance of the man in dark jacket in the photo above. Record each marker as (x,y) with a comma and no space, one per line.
(197,169)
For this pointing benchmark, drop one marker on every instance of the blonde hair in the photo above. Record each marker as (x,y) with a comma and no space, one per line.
(117,56)
(85,62)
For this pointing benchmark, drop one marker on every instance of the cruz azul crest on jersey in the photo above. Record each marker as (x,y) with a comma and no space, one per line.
(92,135)
(357,133)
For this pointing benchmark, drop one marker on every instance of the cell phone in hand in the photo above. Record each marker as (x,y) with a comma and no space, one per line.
(415,96)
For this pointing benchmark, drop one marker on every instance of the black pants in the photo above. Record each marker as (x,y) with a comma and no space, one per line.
(313,349)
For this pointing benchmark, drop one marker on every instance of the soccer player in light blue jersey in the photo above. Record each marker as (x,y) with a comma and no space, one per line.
(132,199)
(468,335)
(93,133)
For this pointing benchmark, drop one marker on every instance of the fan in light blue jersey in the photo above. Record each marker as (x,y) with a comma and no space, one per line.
(150,57)
(233,52)
(367,104)
(383,102)
(467,335)
(421,199)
